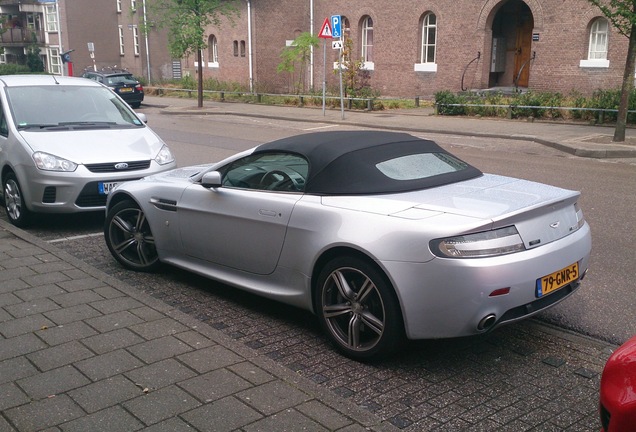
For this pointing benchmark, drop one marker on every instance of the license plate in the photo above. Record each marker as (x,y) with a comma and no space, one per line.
(125,90)
(106,187)
(556,280)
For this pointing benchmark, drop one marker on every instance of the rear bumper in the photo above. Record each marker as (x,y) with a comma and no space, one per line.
(450,297)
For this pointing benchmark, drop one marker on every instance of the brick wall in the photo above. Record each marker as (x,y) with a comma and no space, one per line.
(560,42)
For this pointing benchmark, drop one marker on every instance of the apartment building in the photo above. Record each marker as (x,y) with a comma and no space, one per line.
(98,34)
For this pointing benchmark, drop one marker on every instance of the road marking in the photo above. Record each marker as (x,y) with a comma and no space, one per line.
(79,237)
(321,127)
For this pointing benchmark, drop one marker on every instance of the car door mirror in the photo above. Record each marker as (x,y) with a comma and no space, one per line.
(142,117)
(211,179)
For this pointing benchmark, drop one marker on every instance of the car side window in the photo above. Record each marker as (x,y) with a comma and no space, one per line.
(279,172)
(4,129)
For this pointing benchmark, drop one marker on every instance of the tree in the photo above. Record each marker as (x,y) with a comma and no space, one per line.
(622,14)
(33,59)
(187,21)
(299,53)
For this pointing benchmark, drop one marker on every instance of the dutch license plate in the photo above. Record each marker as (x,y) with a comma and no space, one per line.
(558,279)
(125,90)
(106,187)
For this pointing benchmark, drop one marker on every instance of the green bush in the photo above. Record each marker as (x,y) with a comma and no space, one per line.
(12,69)
(446,97)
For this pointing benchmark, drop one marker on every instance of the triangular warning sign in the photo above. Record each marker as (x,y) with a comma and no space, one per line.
(325,30)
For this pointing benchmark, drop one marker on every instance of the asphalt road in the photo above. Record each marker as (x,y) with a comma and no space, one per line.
(504,372)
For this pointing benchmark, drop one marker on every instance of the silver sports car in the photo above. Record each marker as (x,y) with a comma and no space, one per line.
(382,235)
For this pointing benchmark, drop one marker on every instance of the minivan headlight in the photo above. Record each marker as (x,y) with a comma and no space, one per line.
(479,245)
(164,156)
(49,162)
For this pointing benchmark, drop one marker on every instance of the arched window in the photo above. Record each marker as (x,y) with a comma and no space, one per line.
(598,40)
(213,50)
(367,40)
(429,39)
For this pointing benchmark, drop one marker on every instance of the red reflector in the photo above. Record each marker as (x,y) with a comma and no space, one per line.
(500,291)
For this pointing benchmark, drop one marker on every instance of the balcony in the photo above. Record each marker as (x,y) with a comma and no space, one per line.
(21,36)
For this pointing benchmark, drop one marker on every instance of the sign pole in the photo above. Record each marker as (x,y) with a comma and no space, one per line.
(324,73)
(342,116)
(324,34)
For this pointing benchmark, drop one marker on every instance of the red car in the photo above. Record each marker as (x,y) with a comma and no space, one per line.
(618,390)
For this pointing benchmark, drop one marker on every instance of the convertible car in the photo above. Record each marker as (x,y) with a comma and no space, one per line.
(383,235)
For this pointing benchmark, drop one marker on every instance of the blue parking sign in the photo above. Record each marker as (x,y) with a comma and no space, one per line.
(336,27)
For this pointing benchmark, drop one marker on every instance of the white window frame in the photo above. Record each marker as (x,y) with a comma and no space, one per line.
(429,29)
(119,6)
(54,62)
(31,21)
(135,31)
(51,17)
(598,45)
(213,48)
(366,43)
(122,50)
(133,5)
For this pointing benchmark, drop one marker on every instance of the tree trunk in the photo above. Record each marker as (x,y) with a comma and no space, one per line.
(200,81)
(626,90)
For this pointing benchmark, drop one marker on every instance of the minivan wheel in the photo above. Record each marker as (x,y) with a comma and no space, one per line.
(17,211)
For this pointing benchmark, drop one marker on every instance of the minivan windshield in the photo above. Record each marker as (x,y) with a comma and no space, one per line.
(63,105)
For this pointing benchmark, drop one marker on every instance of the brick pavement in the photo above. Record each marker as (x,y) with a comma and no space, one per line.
(82,351)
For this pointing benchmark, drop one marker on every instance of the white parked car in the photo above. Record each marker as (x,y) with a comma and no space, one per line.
(66,142)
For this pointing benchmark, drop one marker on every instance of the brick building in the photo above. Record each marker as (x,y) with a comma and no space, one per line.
(410,47)
(112,27)
(415,48)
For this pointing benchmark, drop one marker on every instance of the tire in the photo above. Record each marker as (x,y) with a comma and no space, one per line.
(358,309)
(14,205)
(129,238)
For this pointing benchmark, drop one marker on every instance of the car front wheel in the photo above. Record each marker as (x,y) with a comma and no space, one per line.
(358,309)
(129,238)
(14,204)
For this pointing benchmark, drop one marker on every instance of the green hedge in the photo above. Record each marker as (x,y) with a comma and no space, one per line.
(547,104)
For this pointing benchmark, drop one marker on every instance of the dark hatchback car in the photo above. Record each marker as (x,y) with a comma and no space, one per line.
(122,82)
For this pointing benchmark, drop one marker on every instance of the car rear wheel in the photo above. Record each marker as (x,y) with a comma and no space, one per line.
(129,238)
(14,204)
(358,309)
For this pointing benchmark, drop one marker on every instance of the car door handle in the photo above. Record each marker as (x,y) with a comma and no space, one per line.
(264,212)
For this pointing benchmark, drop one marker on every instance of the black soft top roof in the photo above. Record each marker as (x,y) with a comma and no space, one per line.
(345,162)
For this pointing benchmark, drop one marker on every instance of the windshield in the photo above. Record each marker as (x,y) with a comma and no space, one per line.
(49,106)
(120,79)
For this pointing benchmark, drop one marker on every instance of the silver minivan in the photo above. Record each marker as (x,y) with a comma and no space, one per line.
(66,142)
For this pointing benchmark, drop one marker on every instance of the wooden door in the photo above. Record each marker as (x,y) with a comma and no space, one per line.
(523,49)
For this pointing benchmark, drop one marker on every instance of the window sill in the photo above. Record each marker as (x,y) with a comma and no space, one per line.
(368,66)
(594,64)
(425,67)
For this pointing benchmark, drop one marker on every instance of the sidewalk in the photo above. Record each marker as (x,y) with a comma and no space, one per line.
(81,351)
(577,139)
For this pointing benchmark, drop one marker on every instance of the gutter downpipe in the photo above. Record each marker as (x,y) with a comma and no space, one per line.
(146,37)
(311,58)
(249,44)
(59,34)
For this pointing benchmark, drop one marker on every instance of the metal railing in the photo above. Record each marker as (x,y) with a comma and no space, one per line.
(301,98)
